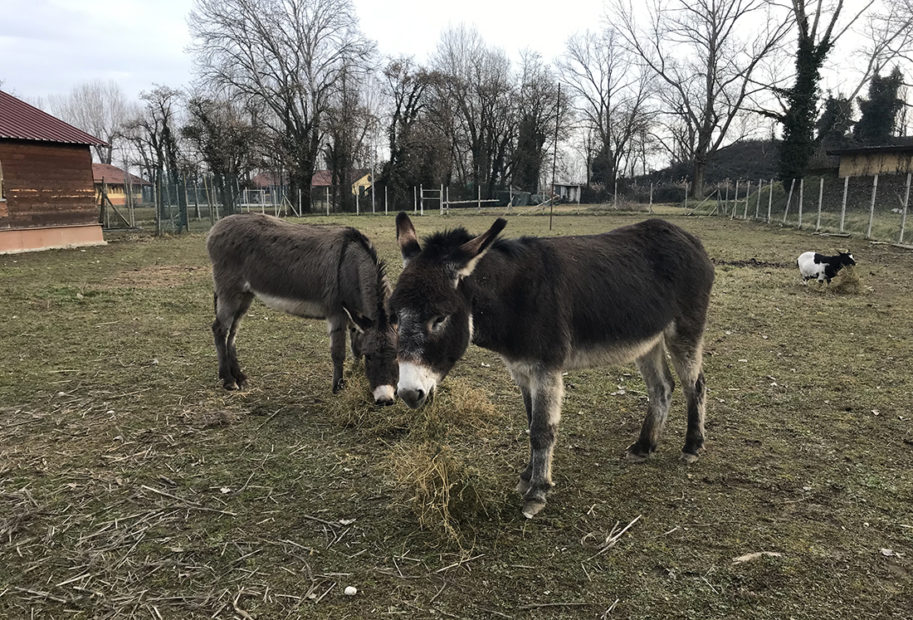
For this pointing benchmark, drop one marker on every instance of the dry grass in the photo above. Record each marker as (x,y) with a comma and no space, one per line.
(132,485)
(432,455)
(847,282)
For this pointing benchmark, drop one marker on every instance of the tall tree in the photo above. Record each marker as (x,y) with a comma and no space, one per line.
(537,105)
(225,140)
(405,86)
(477,94)
(348,121)
(610,91)
(833,126)
(878,118)
(99,108)
(707,69)
(286,55)
(816,32)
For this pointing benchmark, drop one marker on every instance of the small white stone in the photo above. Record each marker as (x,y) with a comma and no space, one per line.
(350,591)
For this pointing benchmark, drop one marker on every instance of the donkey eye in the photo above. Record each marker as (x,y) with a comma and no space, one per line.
(437,322)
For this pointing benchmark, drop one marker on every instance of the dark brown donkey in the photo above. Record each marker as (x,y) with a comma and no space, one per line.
(308,271)
(550,304)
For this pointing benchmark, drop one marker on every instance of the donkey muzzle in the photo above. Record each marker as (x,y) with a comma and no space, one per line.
(384,395)
(416,383)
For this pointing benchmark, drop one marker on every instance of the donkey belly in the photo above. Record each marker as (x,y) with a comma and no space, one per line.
(305,308)
(610,354)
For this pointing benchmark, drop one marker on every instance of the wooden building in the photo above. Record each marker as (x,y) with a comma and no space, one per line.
(47,198)
(116,183)
(868,161)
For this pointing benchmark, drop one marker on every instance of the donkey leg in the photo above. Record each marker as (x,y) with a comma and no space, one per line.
(336,325)
(235,368)
(655,371)
(226,304)
(521,378)
(687,357)
(547,390)
(523,484)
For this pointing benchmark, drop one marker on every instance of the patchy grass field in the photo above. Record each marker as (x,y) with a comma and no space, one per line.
(131,484)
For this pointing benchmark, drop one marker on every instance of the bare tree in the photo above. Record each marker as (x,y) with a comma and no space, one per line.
(537,104)
(705,68)
(477,91)
(286,55)
(610,92)
(224,138)
(405,87)
(98,108)
(348,121)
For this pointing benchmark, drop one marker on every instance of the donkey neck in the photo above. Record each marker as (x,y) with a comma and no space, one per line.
(507,301)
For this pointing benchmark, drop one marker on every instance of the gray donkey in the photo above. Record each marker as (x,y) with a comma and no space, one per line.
(315,272)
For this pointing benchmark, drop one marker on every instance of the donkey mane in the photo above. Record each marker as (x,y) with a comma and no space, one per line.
(382,284)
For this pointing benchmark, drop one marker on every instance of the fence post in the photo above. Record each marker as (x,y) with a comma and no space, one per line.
(820,200)
(747,194)
(757,207)
(357,205)
(686,194)
(442,198)
(414,201)
(479,197)
(770,199)
(868,233)
(615,196)
(726,199)
(735,204)
(846,185)
(385,199)
(421,199)
(789,199)
(801,198)
(903,217)
(651,196)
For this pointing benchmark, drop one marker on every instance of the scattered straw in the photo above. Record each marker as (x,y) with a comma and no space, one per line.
(847,282)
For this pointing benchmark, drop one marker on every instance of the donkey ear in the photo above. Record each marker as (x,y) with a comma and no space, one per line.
(467,255)
(405,234)
(360,322)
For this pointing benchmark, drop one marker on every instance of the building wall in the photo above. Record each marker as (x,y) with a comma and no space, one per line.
(869,164)
(49,198)
(47,185)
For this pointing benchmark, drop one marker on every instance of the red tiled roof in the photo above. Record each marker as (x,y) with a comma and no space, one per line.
(112,175)
(322,178)
(21,121)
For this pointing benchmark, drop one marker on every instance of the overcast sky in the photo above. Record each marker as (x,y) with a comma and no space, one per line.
(48,46)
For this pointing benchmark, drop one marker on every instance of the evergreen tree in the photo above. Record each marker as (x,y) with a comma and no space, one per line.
(833,126)
(879,112)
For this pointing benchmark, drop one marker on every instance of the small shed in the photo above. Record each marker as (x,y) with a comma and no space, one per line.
(116,182)
(866,161)
(47,197)
(568,192)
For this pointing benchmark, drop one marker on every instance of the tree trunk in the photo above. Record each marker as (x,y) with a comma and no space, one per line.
(697,186)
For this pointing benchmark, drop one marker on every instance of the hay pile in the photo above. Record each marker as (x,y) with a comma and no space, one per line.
(847,282)
(437,461)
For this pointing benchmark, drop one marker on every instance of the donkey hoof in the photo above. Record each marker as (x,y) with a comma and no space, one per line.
(689,457)
(339,385)
(522,486)
(635,455)
(532,507)
(230,385)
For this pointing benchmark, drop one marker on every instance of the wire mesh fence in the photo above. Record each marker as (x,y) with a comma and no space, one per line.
(873,207)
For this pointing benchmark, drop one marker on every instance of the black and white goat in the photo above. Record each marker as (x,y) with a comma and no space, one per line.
(823,268)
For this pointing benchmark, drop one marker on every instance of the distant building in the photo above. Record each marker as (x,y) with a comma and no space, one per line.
(867,161)
(116,182)
(47,198)
(568,192)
